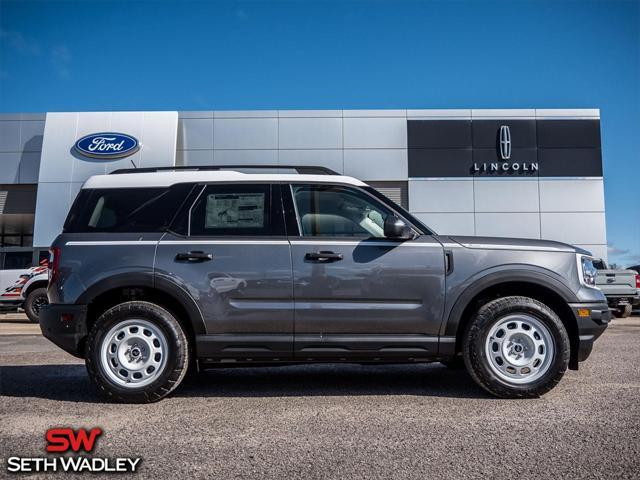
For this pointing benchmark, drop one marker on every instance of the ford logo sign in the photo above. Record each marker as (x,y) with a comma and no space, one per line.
(107,145)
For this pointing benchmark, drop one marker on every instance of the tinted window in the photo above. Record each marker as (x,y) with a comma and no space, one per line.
(125,209)
(336,211)
(17,260)
(246,210)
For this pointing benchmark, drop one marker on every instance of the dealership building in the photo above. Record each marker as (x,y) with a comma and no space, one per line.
(533,173)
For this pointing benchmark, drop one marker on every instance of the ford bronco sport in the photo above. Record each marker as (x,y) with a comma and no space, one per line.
(158,271)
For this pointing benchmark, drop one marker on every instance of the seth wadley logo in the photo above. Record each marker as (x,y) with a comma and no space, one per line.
(67,440)
(504,150)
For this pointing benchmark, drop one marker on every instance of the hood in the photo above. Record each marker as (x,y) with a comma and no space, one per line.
(499,243)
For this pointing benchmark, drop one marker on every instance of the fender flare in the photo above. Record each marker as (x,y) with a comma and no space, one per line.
(532,275)
(35,282)
(153,282)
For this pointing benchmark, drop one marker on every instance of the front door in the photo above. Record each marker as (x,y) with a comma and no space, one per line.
(356,292)
(233,258)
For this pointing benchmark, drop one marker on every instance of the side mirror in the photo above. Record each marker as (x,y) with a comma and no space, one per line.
(396,229)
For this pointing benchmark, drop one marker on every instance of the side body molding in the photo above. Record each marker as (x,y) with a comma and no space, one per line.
(474,285)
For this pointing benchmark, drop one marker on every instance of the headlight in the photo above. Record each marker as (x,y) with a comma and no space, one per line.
(587,271)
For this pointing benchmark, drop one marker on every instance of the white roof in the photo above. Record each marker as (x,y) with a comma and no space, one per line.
(168,178)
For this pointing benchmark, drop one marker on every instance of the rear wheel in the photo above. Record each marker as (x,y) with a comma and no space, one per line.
(36,299)
(516,347)
(137,352)
(622,311)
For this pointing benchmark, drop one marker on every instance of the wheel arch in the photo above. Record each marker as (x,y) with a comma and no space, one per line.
(128,287)
(537,285)
(32,286)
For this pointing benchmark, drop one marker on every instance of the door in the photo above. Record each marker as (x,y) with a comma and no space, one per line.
(357,293)
(231,254)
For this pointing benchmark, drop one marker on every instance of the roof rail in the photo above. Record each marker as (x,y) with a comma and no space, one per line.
(301,169)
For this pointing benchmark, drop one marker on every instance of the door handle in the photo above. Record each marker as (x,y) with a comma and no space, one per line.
(323,256)
(194,256)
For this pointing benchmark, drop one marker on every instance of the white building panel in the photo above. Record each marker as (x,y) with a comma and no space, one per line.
(515,225)
(376,164)
(441,195)
(245,133)
(574,227)
(380,132)
(448,223)
(501,195)
(302,133)
(584,195)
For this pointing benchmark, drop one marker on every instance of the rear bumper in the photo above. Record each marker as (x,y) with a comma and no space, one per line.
(592,320)
(615,300)
(65,325)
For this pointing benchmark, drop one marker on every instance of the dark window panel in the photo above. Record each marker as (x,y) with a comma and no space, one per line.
(17,260)
(570,162)
(439,133)
(486,133)
(440,163)
(568,133)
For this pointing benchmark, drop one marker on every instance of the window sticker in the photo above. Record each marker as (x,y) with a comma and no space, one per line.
(235,210)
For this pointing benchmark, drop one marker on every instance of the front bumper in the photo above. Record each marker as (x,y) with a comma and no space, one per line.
(65,325)
(592,320)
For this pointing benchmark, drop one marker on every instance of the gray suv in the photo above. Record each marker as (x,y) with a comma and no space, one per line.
(160,271)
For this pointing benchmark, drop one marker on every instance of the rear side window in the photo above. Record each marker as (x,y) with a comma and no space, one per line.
(125,209)
(237,209)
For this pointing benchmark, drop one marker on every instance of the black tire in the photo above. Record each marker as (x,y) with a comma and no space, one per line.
(166,380)
(623,311)
(478,364)
(36,299)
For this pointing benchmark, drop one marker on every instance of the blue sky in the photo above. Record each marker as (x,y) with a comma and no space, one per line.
(78,56)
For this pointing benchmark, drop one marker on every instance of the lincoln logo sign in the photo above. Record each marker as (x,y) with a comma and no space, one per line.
(107,145)
(505,142)
(504,150)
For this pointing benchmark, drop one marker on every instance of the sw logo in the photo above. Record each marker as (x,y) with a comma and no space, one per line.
(68,440)
(65,439)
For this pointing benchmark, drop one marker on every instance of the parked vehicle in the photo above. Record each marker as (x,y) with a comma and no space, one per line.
(162,270)
(621,287)
(29,292)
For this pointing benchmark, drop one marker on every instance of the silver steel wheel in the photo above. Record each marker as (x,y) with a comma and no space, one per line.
(520,348)
(134,353)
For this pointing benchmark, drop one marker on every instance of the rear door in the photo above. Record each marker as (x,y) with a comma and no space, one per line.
(229,251)
(357,293)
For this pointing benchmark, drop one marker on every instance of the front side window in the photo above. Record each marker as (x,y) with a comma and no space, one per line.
(236,209)
(338,211)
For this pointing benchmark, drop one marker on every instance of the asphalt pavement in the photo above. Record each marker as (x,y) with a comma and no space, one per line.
(336,421)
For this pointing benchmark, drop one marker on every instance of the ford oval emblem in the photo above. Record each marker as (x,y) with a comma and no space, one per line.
(107,145)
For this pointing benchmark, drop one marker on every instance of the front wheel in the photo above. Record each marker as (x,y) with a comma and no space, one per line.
(36,299)
(137,352)
(516,347)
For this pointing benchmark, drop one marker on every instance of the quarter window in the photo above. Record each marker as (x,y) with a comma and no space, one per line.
(337,211)
(125,209)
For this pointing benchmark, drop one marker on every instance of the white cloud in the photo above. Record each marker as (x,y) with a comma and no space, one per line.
(19,42)
(60,58)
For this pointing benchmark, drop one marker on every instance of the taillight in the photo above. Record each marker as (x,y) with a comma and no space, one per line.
(54,264)
(638,281)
